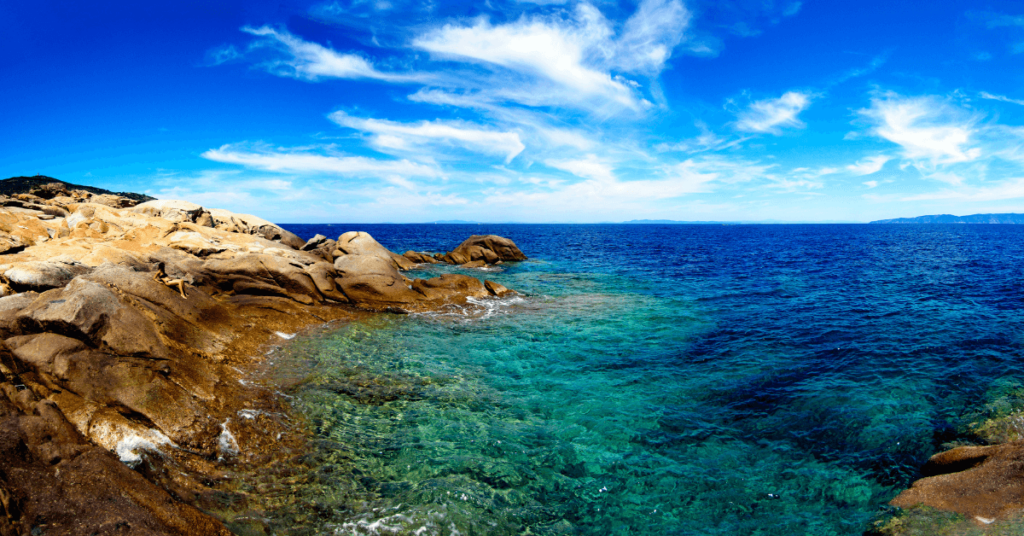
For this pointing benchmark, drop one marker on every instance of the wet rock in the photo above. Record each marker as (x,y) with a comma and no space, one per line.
(51,477)
(420,257)
(978,482)
(474,264)
(497,289)
(450,288)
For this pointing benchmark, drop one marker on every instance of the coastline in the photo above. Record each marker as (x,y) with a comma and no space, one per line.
(130,330)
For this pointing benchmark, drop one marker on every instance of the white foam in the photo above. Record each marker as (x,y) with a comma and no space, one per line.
(227,442)
(131,443)
(285,336)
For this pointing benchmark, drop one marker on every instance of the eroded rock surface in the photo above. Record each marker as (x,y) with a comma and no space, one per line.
(123,327)
(983,483)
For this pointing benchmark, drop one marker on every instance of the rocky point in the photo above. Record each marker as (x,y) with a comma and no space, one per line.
(127,327)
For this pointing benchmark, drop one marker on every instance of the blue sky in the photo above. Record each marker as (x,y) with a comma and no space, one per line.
(530,111)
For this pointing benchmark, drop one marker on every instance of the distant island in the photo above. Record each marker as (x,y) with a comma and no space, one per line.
(949,218)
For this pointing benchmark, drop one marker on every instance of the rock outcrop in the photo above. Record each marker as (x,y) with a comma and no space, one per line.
(488,248)
(122,330)
(984,483)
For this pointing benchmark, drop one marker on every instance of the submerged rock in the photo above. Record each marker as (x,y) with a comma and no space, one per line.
(982,483)
(119,337)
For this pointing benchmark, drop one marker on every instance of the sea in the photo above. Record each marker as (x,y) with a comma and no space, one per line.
(658,379)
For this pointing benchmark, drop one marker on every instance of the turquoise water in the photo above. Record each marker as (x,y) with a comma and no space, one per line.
(785,380)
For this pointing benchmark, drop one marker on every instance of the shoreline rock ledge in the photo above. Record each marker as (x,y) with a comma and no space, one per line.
(128,331)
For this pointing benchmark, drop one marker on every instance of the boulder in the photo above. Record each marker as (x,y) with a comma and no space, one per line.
(373,282)
(322,247)
(314,242)
(497,289)
(474,264)
(171,210)
(252,225)
(487,248)
(40,276)
(261,274)
(91,312)
(978,482)
(360,243)
(420,257)
(450,288)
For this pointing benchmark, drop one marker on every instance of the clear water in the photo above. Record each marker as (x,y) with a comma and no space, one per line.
(660,380)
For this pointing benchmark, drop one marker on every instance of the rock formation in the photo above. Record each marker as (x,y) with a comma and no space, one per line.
(984,483)
(477,251)
(123,325)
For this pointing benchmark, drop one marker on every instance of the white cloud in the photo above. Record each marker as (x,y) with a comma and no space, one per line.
(987,95)
(871,184)
(565,60)
(869,165)
(649,36)
(405,136)
(1009,189)
(705,141)
(221,54)
(770,115)
(590,167)
(927,128)
(542,125)
(550,50)
(311,61)
(306,162)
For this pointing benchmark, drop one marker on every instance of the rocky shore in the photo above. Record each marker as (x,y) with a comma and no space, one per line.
(129,326)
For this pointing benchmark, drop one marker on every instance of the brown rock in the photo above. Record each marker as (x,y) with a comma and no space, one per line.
(51,477)
(420,257)
(373,282)
(360,243)
(314,243)
(450,288)
(498,289)
(91,312)
(474,264)
(488,248)
(978,482)
(40,276)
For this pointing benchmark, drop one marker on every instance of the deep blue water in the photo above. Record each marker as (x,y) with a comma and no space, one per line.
(664,379)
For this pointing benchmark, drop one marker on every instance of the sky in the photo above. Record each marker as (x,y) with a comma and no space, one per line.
(524,110)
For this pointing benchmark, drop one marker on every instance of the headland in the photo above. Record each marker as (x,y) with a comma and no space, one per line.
(129,327)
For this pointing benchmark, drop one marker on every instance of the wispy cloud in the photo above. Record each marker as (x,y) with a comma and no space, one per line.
(312,61)
(569,59)
(770,116)
(869,165)
(222,54)
(305,161)
(590,167)
(989,96)
(1008,189)
(927,128)
(427,134)
(550,51)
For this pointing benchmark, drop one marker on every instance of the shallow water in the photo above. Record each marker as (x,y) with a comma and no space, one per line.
(660,380)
